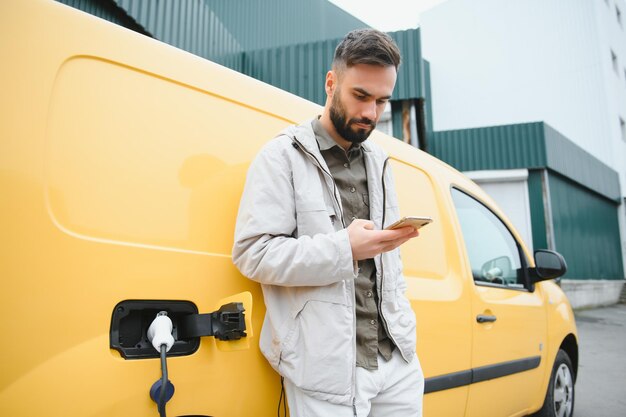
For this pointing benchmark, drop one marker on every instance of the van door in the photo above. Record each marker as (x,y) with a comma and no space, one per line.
(509,321)
(438,293)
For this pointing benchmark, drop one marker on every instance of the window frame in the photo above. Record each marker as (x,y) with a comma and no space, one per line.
(528,286)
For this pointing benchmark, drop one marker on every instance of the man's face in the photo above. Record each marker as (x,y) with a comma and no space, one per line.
(359,97)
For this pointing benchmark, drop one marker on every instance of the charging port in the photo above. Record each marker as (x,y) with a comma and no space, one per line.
(131,319)
(130,322)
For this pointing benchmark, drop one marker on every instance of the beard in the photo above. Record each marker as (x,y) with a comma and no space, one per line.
(345,127)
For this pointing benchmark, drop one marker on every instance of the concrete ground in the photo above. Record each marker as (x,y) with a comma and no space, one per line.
(601,385)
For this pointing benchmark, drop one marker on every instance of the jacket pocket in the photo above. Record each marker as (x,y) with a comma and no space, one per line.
(314,217)
(401,320)
(318,355)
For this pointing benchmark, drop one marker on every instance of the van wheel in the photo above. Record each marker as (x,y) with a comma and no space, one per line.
(559,400)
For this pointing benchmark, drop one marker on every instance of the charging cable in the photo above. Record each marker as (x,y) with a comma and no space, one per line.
(160,335)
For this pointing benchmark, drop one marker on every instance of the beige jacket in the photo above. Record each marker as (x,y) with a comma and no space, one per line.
(291,238)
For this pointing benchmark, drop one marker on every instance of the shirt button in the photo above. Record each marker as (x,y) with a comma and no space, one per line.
(352,189)
(347,165)
(369,294)
(372,322)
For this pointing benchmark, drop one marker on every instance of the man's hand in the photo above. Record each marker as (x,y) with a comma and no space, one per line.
(367,242)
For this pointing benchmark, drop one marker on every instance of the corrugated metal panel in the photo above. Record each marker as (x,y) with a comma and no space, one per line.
(528,145)
(497,147)
(301,68)
(262,24)
(108,10)
(286,43)
(575,163)
(220,30)
(190,25)
(429,99)
(586,231)
(537,209)
(410,83)
(396,119)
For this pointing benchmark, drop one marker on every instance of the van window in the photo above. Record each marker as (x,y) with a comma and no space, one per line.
(492,250)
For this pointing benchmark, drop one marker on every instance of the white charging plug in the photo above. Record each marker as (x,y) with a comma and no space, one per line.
(160,332)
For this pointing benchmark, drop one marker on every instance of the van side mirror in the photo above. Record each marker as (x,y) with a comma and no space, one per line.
(548,265)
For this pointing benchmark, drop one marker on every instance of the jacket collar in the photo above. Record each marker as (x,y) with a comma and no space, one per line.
(303,135)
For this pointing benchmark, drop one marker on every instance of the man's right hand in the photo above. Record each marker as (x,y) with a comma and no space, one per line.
(367,242)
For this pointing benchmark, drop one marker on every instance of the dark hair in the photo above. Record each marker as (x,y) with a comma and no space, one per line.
(366,46)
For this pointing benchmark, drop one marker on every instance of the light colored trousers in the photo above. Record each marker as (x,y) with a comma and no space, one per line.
(395,389)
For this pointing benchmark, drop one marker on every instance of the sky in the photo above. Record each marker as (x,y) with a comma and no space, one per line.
(394,15)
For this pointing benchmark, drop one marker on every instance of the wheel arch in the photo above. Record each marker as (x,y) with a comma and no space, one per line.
(570,346)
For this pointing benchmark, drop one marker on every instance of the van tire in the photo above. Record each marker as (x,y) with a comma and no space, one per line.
(559,400)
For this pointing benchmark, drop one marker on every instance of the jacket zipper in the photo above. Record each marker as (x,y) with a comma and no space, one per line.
(317,163)
(382,268)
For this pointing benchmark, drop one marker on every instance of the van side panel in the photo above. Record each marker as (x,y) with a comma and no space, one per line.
(137,159)
(121,164)
(436,288)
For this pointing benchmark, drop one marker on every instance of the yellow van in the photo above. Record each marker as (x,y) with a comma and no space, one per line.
(122,161)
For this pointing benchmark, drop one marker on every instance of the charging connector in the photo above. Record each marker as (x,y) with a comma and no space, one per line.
(160,335)
(160,332)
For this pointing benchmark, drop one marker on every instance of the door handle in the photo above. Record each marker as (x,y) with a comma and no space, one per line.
(484,318)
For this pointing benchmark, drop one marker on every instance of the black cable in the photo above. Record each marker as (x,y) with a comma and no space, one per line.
(281,400)
(162,394)
(285,400)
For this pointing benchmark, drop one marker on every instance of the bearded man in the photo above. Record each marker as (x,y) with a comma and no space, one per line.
(310,229)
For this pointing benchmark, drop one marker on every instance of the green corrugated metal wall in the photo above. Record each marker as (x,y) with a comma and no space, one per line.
(286,43)
(497,147)
(262,24)
(301,68)
(220,30)
(429,100)
(527,145)
(108,10)
(190,25)
(411,78)
(574,162)
(396,119)
(586,231)
(537,210)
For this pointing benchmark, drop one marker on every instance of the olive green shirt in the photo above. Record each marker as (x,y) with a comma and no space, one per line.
(348,171)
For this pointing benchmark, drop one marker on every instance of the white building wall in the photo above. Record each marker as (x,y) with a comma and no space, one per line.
(497,62)
(613,38)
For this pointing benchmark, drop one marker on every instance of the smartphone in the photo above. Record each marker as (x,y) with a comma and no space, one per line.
(416,222)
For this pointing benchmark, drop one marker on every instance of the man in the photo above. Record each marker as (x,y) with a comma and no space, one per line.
(338,327)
